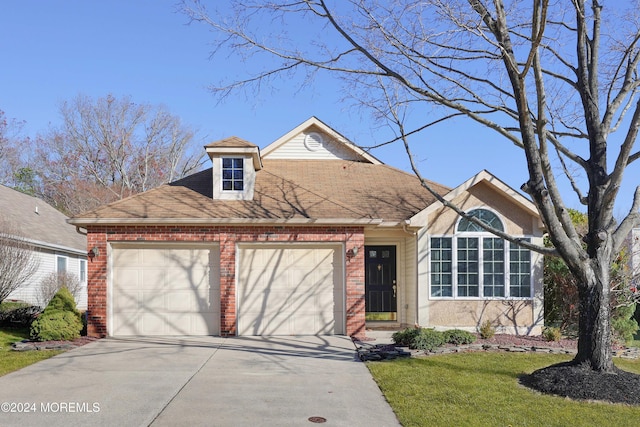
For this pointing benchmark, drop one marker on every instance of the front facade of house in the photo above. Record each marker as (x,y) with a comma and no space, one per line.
(57,247)
(309,236)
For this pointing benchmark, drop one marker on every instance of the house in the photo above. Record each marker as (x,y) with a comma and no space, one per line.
(309,235)
(56,244)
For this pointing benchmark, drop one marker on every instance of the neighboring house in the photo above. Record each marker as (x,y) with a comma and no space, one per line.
(310,235)
(57,245)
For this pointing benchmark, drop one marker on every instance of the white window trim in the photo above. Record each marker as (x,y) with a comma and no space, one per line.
(244,175)
(454,269)
(66,262)
(84,279)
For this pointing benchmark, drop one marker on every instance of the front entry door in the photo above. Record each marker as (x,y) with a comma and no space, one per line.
(381,289)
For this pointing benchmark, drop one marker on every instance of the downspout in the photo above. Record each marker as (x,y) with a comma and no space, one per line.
(80,231)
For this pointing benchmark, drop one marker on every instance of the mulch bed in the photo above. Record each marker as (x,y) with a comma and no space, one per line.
(527,341)
(582,383)
(571,380)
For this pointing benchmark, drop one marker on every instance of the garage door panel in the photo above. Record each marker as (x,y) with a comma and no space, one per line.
(165,291)
(130,278)
(290,291)
(153,278)
(128,300)
(180,278)
(125,259)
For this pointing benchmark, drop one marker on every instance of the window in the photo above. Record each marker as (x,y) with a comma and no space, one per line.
(441,257)
(83,271)
(476,264)
(232,174)
(61,264)
(520,272)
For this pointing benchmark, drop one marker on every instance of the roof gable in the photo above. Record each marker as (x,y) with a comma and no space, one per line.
(493,182)
(314,140)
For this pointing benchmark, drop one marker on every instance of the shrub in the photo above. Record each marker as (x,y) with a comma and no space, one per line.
(428,340)
(623,324)
(552,333)
(19,315)
(406,337)
(487,330)
(63,301)
(458,337)
(59,321)
(56,325)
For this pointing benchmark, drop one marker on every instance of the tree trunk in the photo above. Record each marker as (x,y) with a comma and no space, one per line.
(594,339)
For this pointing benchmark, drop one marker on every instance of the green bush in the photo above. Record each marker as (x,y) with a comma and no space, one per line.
(458,337)
(63,301)
(59,321)
(428,340)
(487,330)
(405,337)
(56,325)
(623,323)
(551,333)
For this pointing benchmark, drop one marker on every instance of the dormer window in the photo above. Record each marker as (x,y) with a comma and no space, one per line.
(234,163)
(232,174)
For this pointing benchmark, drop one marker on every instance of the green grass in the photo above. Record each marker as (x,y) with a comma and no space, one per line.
(13,360)
(481,389)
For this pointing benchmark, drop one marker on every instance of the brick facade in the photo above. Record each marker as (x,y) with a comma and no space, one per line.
(227,238)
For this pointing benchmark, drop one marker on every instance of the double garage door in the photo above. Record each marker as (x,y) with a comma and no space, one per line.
(175,290)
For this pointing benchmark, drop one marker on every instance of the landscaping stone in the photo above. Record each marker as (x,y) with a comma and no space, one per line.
(374,352)
(27,345)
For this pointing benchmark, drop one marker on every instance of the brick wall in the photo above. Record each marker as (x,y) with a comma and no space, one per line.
(226,237)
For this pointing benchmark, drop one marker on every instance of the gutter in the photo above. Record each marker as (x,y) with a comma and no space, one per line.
(82,222)
(55,247)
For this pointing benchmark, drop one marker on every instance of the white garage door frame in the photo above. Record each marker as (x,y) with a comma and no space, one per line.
(214,275)
(337,291)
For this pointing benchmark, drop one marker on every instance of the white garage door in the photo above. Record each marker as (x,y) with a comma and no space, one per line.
(165,290)
(294,290)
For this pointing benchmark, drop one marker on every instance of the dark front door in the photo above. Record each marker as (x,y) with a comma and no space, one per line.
(380,283)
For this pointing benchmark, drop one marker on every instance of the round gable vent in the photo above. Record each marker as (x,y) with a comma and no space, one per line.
(313,141)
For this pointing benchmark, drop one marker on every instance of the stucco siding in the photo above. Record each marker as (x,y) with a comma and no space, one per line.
(516,221)
(504,315)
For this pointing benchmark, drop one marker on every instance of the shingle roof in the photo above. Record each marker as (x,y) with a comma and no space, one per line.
(232,141)
(284,190)
(39,221)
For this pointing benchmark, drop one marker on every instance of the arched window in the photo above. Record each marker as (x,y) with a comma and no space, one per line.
(475,264)
(483,215)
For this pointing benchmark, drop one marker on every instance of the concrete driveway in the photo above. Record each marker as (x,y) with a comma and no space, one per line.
(198,381)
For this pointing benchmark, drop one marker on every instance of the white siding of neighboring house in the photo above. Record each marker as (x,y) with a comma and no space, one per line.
(47,263)
(295,148)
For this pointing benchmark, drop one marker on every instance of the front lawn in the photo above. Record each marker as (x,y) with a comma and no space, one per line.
(482,389)
(13,360)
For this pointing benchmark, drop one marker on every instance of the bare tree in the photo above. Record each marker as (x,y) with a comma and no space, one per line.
(556,79)
(53,282)
(18,261)
(110,148)
(10,142)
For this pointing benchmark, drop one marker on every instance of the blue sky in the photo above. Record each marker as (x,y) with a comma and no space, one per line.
(54,50)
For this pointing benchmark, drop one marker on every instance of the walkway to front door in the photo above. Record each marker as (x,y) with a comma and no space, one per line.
(381,288)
